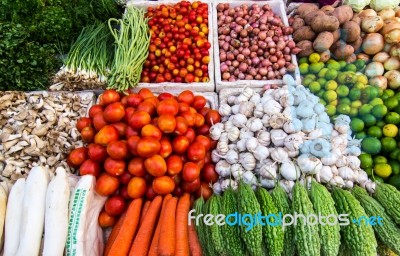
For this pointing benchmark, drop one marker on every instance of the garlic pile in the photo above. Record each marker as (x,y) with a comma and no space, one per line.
(39,129)
(283,136)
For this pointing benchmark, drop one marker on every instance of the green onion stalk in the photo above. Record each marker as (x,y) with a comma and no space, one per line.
(132,40)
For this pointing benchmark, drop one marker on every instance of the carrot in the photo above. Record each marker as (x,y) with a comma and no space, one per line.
(114,233)
(144,211)
(156,237)
(194,243)
(182,233)
(142,241)
(166,244)
(124,239)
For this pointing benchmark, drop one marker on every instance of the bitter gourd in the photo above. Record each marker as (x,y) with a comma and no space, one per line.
(248,204)
(272,232)
(233,242)
(215,229)
(200,227)
(324,206)
(210,249)
(385,228)
(389,197)
(306,236)
(359,239)
(284,206)
(383,250)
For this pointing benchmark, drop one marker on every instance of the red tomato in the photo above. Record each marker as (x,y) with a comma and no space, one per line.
(155,165)
(106,135)
(106,185)
(117,150)
(139,119)
(114,167)
(134,100)
(205,191)
(165,96)
(123,191)
(105,220)
(132,143)
(163,185)
(199,120)
(166,123)
(125,178)
(129,132)
(147,147)
(190,172)
(183,107)
(148,107)
(186,97)
(121,127)
(189,116)
(136,167)
(190,134)
(150,194)
(204,130)
(114,112)
(78,156)
(174,165)
(115,205)
(166,148)
(99,121)
(205,141)
(204,111)
(128,114)
(97,152)
(145,93)
(181,125)
(199,102)
(83,122)
(168,107)
(180,144)
(150,130)
(137,187)
(90,167)
(191,187)
(212,117)
(196,151)
(95,109)
(108,97)
(208,174)
(87,134)
(207,158)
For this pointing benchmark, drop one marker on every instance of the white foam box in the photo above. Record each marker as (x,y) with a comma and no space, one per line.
(167,86)
(278,7)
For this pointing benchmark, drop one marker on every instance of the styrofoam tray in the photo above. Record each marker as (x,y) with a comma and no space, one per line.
(278,7)
(196,87)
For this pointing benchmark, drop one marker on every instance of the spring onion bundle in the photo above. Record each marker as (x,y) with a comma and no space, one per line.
(132,39)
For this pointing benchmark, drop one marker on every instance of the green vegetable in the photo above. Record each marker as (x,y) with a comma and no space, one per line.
(210,249)
(379,5)
(233,242)
(200,228)
(356,5)
(273,235)
(282,203)
(248,204)
(324,206)
(216,234)
(307,238)
(389,197)
(132,43)
(388,233)
(359,239)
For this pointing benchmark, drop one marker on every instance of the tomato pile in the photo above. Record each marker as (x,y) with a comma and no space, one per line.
(179,46)
(140,145)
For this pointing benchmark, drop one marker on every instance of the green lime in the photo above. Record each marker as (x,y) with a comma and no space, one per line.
(391,103)
(314,68)
(343,109)
(397,95)
(345,101)
(395,181)
(355,94)
(320,94)
(359,85)
(368,170)
(383,170)
(380,160)
(322,72)
(314,58)
(342,91)
(303,68)
(379,111)
(397,109)
(314,87)
(356,104)
(330,110)
(360,64)
(380,92)
(395,166)
(353,112)
(366,94)
(357,125)
(346,78)
(376,101)
(378,179)
(334,103)
(366,160)
(361,135)
(321,81)
(369,120)
(388,144)
(342,63)
(387,94)
(331,74)
(374,91)
(323,102)
(395,154)
(333,65)
(330,95)
(331,85)
(371,145)
(350,67)
(303,60)
(380,123)
(374,131)
(392,118)
(307,81)
(365,109)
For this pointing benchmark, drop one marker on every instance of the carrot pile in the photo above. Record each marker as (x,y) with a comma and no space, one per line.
(155,228)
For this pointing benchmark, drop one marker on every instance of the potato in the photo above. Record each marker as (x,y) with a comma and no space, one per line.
(325,56)
(367,12)
(311,15)
(350,31)
(344,52)
(343,13)
(357,45)
(371,24)
(336,35)
(323,41)
(304,33)
(298,23)
(356,18)
(351,58)
(325,23)
(305,8)
(337,45)
(306,47)
(328,9)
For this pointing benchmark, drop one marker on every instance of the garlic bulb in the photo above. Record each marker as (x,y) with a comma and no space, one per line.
(287,185)
(267,183)
(216,131)
(320,147)
(232,157)
(346,173)
(248,92)
(254,124)
(353,162)
(251,144)
(241,145)
(289,171)
(228,125)
(222,148)
(272,107)
(309,164)
(264,138)
(326,174)
(245,134)
(223,168)
(261,153)
(293,126)
(293,141)
(215,156)
(337,181)
(279,155)
(269,171)
(248,161)
(239,120)
(225,110)
(278,137)
(256,99)
(249,178)
(235,109)
(246,108)
(241,98)
(258,111)
(265,120)
(233,134)
(231,99)
(217,188)
(277,121)
(237,171)
(305,109)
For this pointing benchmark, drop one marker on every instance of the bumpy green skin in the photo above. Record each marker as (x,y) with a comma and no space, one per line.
(201,231)
(389,197)
(383,250)
(306,236)
(210,249)
(283,205)
(233,242)
(388,233)
(359,239)
(248,204)
(324,205)
(273,235)
(216,237)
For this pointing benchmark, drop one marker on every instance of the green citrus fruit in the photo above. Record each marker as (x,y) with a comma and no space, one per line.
(388,144)
(333,65)
(342,91)
(395,154)
(395,181)
(361,135)
(303,60)
(387,93)
(330,110)
(331,74)
(392,118)
(391,103)
(322,72)
(374,131)
(314,68)
(343,109)
(379,111)
(331,85)
(366,160)
(303,67)
(395,166)
(314,87)
(376,101)
(355,94)
(345,101)
(369,120)
(380,123)
(357,125)
(371,145)
(350,67)
(380,160)
(365,109)
(383,170)
(314,58)
(330,95)
(390,130)
(356,104)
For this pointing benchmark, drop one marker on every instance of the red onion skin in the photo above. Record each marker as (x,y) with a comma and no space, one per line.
(235,52)
(222,56)
(248,77)
(296,50)
(235,63)
(238,28)
(291,68)
(243,67)
(225,46)
(260,52)
(273,58)
(263,71)
(253,54)
(255,61)
(282,71)
(241,76)
(246,52)
(258,77)
(223,67)
(226,76)
(231,69)
(228,62)
(253,71)
(230,56)
(254,48)
(271,75)
(275,66)
(281,63)
(288,58)
(272,50)
(286,50)
(232,79)
(236,72)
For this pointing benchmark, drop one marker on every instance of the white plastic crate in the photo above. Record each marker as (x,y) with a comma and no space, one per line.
(195,87)
(278,8)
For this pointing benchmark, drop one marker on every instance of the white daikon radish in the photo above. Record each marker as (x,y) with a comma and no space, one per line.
(14,218)
(33,211)
(56,217)
(3,207)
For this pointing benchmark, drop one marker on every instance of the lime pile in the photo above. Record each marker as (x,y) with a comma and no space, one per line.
(375,113)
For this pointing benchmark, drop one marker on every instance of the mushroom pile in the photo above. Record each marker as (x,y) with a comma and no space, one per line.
(39,129)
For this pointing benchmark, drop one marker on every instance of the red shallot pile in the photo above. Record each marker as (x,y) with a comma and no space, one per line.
(254,43)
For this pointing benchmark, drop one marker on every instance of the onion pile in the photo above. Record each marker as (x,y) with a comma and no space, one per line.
(254,43)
